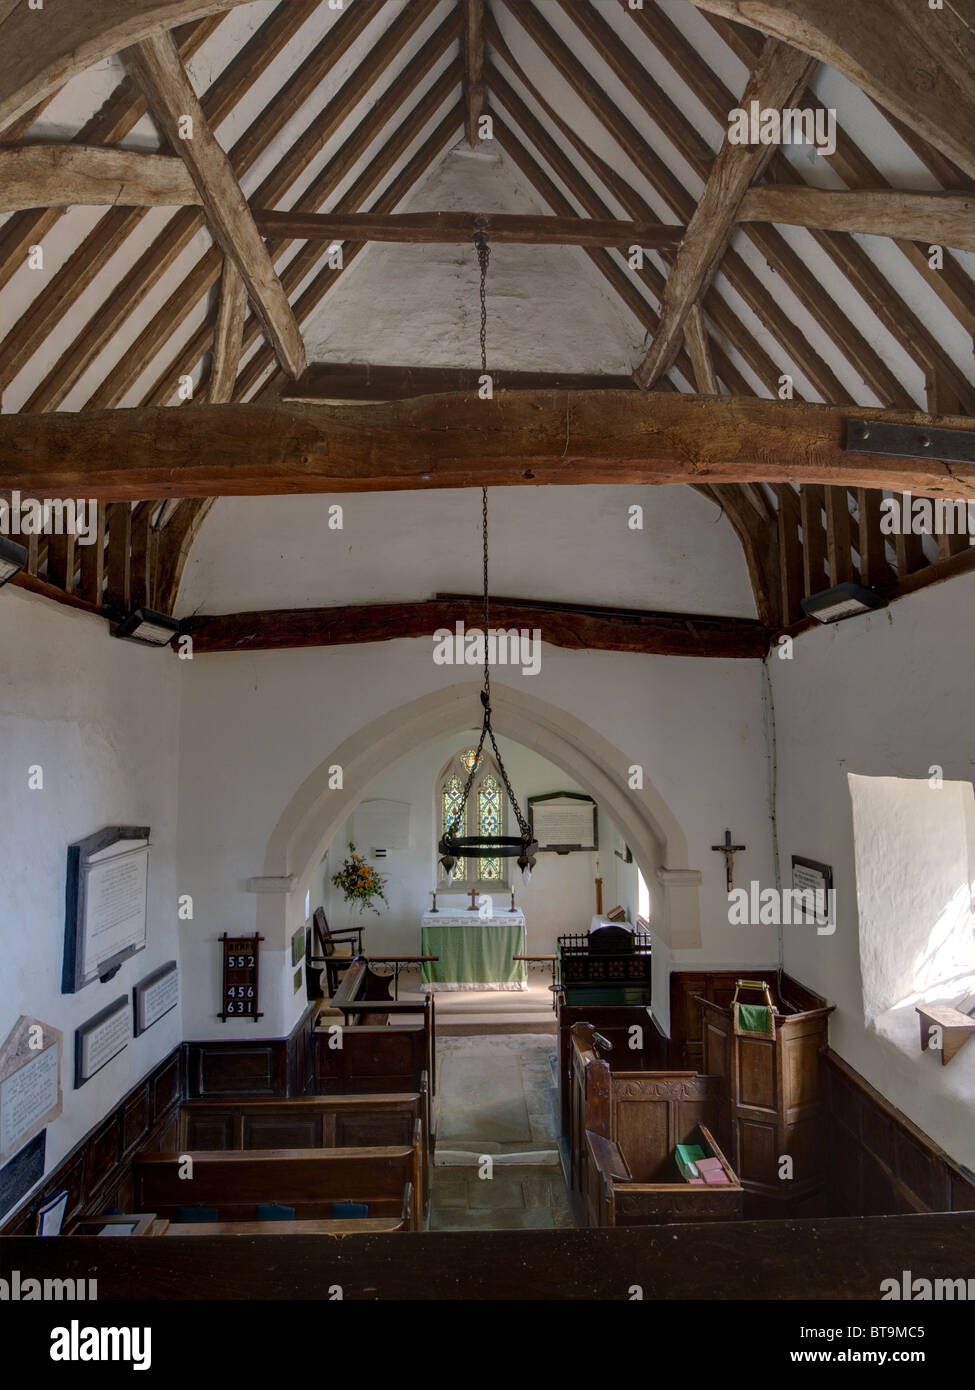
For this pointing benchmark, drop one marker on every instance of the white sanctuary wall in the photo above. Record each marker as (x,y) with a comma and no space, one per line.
(883,696)
(100,718)
(561,896)
(255,725)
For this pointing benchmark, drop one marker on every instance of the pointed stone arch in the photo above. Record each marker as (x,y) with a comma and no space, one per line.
(317,810)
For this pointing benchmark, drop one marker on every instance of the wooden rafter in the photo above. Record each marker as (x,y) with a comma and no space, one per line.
(474,94)
(950,283)
(894,313)
(774,248)
(517,438)
(947,219)
(621,281)
(228,334)
(699,348)
(781,72)
(248,148)
(917,62)
(48,176)
(124,108)
(562,625)
(447,129)
(156,64)
(457,228)
(44,47)
(48,309)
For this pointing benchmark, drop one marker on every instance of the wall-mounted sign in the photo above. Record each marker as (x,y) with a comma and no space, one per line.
(106,901)
(241,957)
(563,821)
(30,1082)
(100,1039)
(155,996)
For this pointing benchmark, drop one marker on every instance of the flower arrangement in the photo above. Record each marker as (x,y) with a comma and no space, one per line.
(359,882)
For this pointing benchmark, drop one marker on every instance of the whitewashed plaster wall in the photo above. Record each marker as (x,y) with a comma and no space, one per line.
(254,726)
(567,543)
(559,898)
(888,695)
(548,307)
(100,717)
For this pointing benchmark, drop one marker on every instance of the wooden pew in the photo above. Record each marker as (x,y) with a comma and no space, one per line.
(235,1183)
(311,1122)
(361,1048)
(619,1012)
(624,1127)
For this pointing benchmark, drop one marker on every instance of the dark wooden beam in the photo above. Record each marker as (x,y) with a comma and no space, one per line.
(578,628)
(338,382)
(431,228)
(520,438)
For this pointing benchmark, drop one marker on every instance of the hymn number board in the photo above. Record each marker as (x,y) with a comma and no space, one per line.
(240,961)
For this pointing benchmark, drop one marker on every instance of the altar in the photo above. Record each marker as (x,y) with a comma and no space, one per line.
(475,952)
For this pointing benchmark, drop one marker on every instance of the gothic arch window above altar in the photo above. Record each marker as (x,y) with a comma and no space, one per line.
(485,813)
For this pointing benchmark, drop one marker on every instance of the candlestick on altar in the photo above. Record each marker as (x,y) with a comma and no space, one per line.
(433,895)
(512,900)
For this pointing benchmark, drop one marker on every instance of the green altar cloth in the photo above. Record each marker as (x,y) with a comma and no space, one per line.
(474,953)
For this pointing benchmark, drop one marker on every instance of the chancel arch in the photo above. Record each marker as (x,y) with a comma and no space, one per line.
(320,807)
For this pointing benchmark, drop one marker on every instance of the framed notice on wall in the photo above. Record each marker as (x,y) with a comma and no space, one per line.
(563,821)
(100,1039)
(105,904)
(155,996)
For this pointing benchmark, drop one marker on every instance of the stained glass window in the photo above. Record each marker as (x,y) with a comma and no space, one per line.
(489,820)
(485,809)
(454,816)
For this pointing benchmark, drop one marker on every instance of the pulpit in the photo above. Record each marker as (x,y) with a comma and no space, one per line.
(474,952)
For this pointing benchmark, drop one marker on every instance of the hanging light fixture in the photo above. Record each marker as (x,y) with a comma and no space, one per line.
(523,846)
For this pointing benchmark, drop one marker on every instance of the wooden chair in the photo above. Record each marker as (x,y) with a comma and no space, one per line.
(332,953)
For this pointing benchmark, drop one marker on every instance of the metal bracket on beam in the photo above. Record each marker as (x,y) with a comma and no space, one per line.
(909,441)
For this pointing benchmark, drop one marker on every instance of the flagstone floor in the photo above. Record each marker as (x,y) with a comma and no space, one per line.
(497,1164)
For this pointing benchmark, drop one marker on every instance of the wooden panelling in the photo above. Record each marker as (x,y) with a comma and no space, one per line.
(879,1162)
(260,1069)
(96,1173)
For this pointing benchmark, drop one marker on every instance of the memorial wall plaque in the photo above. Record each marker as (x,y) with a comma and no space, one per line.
(105,904)
(100,1039)
(155,996)
(30,1082)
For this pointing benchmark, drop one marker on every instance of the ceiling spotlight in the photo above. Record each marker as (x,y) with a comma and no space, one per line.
(845,601)
(13,558)
(149,628)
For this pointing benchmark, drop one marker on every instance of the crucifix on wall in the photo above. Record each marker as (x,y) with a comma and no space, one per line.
(729,851)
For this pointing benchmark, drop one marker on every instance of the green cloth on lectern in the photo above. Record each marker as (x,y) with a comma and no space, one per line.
(755,1018)
(473,955)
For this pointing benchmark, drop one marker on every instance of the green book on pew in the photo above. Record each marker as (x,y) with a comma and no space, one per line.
(687,1156)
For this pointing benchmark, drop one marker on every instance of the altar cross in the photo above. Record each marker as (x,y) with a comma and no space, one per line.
(729,851)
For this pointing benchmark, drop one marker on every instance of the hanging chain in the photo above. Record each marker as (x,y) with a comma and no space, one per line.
(483,258)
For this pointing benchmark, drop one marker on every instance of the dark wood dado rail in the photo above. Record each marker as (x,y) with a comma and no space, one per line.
(768,1260)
